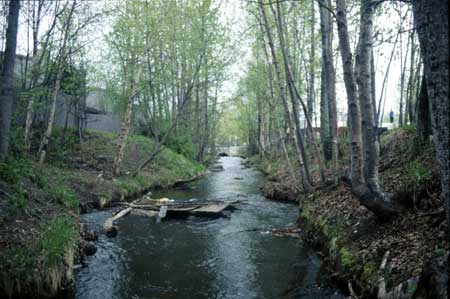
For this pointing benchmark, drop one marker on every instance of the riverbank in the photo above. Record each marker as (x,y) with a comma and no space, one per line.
(40,206)
(354,243)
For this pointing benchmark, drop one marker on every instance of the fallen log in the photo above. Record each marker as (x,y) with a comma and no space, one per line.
(108,226)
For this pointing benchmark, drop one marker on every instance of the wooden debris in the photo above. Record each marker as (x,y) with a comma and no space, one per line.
(147,213)
(108,226)
(164,207)
(162,214)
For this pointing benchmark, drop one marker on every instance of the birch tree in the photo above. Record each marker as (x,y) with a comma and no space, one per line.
(59,73)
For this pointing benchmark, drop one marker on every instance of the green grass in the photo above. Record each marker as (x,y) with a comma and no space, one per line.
(12,170)
(347,259)
(57,239)
(63,195)
(57,236)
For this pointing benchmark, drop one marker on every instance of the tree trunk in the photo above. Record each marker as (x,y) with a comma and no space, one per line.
(273,110)
(354,113)
(125,125)
(366,191)
(304,174)
(380,111)
(401,116)
(290,85)
(431,21)
(371,146)
(60,69)
(423,112)
(35,62)
(324,117)
(205,138)
(409,94)
(329,84)
(312,67)
(7,82)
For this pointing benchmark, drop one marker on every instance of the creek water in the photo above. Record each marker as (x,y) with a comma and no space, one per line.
(205,258)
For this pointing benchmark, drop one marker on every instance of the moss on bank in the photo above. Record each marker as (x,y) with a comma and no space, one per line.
(40,206)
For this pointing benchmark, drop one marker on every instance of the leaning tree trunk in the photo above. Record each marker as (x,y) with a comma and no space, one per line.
(7,77)
(304,171)
(295,98)
(125,126)
(431,21)
(60,69)
(364,183)
(272,106)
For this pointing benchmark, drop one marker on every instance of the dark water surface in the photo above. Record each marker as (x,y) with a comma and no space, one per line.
(204,258)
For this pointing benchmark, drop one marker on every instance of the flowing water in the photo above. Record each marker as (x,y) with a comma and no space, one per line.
(205,258)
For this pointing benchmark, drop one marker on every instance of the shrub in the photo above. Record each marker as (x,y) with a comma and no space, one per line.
(418,174)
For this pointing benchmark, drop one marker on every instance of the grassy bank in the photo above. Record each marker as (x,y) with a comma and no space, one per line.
(351,239)
(40,206)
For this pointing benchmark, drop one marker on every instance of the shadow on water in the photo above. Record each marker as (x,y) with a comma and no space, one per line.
(200,258)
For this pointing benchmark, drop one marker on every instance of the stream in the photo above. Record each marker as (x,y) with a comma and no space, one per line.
(205,258)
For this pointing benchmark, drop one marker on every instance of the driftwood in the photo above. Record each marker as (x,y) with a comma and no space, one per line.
(162,214)
(108,226)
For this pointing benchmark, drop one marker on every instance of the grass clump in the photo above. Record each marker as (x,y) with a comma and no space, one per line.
(13,170)
(57,236)
(42,264)
(61,194)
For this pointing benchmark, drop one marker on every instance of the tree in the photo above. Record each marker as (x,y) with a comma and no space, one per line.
(304,169)
(328,96)
(7,83)
(431,21)
(59,74)
(364,144)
